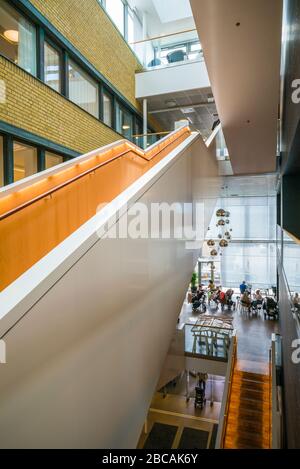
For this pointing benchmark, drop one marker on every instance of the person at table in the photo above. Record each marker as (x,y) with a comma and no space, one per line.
(243,287)
(211,285)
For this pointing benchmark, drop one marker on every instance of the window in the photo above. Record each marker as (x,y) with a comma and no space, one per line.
(107,109)
(124,122)
(25,161)
(116,10)
(52,67)
(83,90)
(1,163)
(17,38)
(130,26)
(51,159)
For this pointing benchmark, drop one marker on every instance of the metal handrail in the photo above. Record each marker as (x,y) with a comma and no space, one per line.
(154,38)
(225,422)
(152,133)
(79,176)
(226,396)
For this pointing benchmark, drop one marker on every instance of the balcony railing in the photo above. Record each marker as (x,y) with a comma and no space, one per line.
(169,50)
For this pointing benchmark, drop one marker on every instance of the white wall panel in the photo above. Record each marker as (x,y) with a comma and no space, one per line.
(85,348)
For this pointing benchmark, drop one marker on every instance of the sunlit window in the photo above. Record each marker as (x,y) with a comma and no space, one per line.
(17,38)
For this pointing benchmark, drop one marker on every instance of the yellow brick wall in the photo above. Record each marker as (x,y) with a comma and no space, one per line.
(34,107)
(87,27)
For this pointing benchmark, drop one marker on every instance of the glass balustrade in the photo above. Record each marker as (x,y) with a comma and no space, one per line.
(169,50)
(209,337)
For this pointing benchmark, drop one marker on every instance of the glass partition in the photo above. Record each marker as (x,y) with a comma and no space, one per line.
(169,50)
(144,141)
(210,338)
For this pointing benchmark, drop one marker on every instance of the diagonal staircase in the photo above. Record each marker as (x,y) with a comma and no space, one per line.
(248,420)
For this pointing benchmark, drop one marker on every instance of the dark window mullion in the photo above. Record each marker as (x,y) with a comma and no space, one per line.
(101,102)
(8,159)
(41,159)
(65,74)
(40,53)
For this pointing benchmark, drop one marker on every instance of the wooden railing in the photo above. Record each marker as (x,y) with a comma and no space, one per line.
(39,212)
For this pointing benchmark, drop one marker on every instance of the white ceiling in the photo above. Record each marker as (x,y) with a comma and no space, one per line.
(172,10)
(201,117)
(162,18)
(241,41)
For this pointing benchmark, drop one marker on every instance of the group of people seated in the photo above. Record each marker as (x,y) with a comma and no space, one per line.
(251,302)
(257,302)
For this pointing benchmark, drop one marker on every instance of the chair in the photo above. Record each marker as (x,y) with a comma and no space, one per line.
(176,56)
(154,62)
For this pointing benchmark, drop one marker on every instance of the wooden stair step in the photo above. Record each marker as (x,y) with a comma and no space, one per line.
(248,426)
(252,376)
(249,438)
(244,401)
(245,413)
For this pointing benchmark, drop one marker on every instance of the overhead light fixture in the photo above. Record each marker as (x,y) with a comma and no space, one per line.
(125,127)
(12,35)
(187,110)
(170,103)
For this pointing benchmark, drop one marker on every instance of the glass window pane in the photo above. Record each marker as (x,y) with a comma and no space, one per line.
(107,109)
(1,163)
(25,161)
(124,122)
(115,9)
(17,38)
(51,159)
(131,22)
(83,90)
(52,67)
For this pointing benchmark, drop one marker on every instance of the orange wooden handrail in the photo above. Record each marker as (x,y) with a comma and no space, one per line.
(35,218)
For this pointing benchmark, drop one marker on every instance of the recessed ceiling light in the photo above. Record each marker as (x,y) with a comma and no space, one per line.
(187,110)
(12,35)
(125,127)
(170,103)
(238,24)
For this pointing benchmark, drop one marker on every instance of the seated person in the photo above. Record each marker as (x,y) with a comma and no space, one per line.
(296,301)
(258,299)
(245,299)
(228,295)
(258,296)
(243,287)
(211,285)
(270,303)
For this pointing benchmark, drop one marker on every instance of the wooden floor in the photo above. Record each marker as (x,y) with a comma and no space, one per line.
(248,424)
